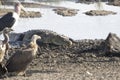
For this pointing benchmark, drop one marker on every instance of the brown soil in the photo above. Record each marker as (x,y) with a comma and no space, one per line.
(73,71)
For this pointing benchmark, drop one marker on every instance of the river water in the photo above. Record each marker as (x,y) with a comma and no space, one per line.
(80,26)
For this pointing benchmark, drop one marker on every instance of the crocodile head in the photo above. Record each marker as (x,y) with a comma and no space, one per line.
(59,40)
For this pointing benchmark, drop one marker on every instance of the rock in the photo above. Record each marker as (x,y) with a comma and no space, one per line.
(112,44)
(99,13)
(66,11)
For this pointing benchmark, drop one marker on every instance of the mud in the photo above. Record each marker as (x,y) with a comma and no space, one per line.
(72,63)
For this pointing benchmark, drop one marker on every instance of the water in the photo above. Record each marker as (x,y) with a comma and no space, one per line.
(80,26)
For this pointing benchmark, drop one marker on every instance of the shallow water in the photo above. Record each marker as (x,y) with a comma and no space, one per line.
(80,26)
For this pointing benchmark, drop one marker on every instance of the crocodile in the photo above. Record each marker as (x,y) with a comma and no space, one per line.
(47,36)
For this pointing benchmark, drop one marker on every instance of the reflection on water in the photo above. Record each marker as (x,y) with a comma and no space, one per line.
(99,5)
(76,27)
